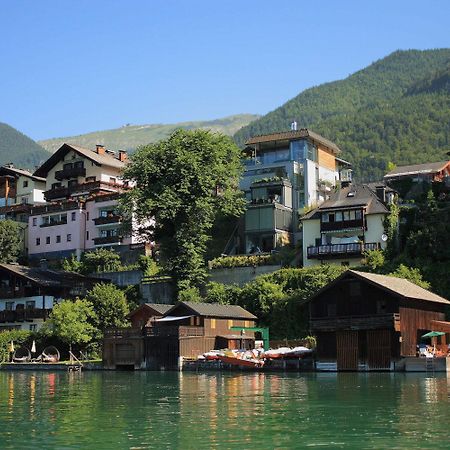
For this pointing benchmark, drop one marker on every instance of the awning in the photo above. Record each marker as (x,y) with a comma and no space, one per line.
(172,318)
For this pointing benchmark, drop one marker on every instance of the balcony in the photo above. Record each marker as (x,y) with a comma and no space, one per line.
(108,220)
(53,224)
(70,172)
(82,188)
(23,315)
(15,209)
(105,240)
(174,331)
(123,333)
(342,225)
(340,250)
(365,322)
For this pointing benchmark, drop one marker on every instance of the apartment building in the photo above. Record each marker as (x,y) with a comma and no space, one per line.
(284,172)
(82,191)
(342,228)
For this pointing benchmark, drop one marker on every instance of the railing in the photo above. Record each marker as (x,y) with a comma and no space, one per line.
(53,224)
(22,315)
(19,208)
(342,225)
(180,331)
(13,292)
(362,322)
(123,333)
(108,240)
(59,206)
(107,220)
(55,193)
(335,250)
(71,172)
(90,186)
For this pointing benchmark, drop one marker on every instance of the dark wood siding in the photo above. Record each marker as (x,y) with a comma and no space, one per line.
(347,350)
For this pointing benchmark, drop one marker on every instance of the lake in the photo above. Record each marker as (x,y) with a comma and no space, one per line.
(166,410)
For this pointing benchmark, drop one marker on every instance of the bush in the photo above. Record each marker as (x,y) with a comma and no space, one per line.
(19,337)
(241,261)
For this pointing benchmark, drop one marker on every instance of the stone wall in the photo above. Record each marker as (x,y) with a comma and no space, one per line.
(240,275)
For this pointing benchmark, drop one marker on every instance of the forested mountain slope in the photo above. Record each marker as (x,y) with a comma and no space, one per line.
(19,149)
(396,109)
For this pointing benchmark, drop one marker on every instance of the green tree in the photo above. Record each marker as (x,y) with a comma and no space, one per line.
(19,337)
(374,260)
(98,260)
(72,322)
(110,306)
(412,274)
(182,185)
(10,241)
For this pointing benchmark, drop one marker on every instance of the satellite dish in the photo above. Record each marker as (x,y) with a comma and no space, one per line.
(384,237)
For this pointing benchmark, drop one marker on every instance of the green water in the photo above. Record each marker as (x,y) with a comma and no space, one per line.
(170,410)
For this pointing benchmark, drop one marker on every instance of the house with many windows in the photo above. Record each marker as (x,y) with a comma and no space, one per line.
(82,191)
(285,172)
(342,228)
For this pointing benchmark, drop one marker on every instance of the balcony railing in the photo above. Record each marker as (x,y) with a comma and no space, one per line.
(53,224)
(114,218)
(17,209)
(22,315)
(338,250)
(363,322)
(90,186)
(72,172)
(123,333)
(108,240)
(342,225)
(180,331)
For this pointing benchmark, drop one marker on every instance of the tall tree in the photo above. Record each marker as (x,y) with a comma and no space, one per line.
(182,185)
(11,239)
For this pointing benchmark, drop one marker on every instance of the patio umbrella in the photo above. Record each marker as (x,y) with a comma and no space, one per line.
(11,347)
(432,334)
(33,347)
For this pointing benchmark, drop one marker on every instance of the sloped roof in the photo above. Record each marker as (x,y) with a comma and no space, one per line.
(11,170)
(106,159)
(292,135)
(158,308)
(417,169)
(48,277)
(360,195)
(215,310)
(401,286)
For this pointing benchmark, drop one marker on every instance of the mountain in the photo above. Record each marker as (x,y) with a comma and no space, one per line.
(19,149)
(396,110)
(131,136)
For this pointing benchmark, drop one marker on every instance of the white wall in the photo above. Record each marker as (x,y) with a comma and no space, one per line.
(311,231)
(375,229)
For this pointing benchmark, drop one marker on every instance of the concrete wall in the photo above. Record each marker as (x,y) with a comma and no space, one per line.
(160,292)
(240,275)
(122,279)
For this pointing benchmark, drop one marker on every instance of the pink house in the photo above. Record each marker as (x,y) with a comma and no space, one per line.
(82,191)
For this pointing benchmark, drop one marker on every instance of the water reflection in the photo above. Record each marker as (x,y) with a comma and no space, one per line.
(232,410)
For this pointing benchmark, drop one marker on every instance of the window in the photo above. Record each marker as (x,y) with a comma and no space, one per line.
(56,185)
(33,327)
(338,217)
(89,179)
(72,183)
(79,164)
(358,214)
(87,235)
(67,166)
(246,323)
(30,304)
(73,216)
(213,324)
(352,214)
(58,239)
(9,306)
(38,241)
(47,240)
(346,215)
(69,238)
(230,323)
(87,216)
(112,180)
(25,183)
(24,200)
(34,221)
(325,217)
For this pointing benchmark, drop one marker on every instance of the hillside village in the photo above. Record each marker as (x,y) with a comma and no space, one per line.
(308,229)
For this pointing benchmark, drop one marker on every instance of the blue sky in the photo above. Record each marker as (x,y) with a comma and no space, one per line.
(70,67)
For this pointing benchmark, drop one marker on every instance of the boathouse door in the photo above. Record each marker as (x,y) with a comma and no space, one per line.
(347,350)
(379,349)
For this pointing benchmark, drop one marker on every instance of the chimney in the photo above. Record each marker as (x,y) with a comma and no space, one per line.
(43,264)
(381,193)
(100,149)
(123,156)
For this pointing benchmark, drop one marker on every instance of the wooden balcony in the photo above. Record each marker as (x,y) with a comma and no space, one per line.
(23,315)
(56,193)
(342,225)
(15,209)
(108,220)
(123,333)
(174,331)
(330,251)
(366,322)
(108,240)
(81,188)
(72,172)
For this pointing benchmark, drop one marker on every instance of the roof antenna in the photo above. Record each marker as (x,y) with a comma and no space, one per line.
(294,126)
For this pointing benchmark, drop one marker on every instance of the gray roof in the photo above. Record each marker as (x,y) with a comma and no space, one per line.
(11,170)
(401,286)
(292,135)
(215,310)
(417,169)
(48,277)
(107,159)
(360,196)
(160,308)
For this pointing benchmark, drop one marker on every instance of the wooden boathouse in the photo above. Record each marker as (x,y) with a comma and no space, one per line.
(365,321)
(161,334)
